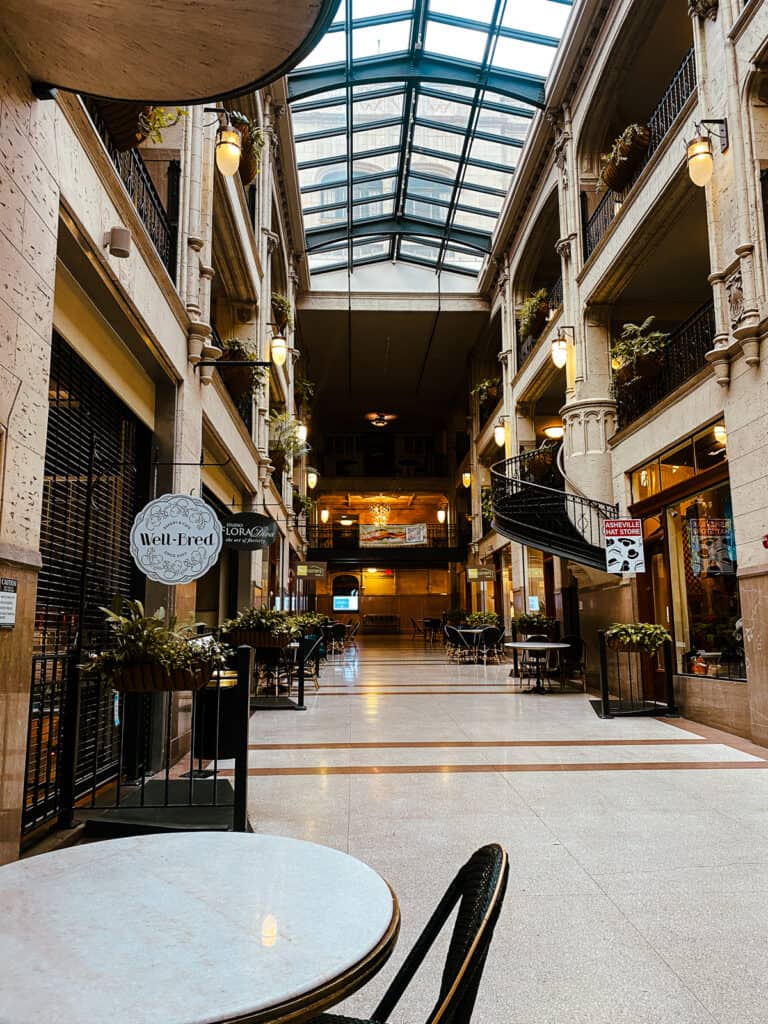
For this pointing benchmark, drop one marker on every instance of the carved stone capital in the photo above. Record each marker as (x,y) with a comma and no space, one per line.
(703,9)
(273,240)
(563,247)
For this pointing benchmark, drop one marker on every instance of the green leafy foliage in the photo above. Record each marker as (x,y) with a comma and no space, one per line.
(284,430)
(253,136)
(637,341)
(282,309)
(530,312)
(154,120)
(304,390)
(645,636)
(244,350)
(475,619)
(623,146)
(534,622)
(485,387)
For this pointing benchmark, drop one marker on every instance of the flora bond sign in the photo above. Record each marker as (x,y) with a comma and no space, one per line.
(176,539)
(249,531)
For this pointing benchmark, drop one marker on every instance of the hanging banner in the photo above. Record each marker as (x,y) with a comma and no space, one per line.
(392,536)
(713,547)
(624,550)
(249,531)
(176,539)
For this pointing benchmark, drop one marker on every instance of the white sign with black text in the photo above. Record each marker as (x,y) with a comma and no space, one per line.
(176,539)
(8,589)
(624,545)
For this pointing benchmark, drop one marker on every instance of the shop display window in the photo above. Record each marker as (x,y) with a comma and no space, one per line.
(705,450)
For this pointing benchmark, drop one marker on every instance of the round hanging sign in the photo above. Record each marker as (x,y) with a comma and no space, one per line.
(249,531)
(176,539)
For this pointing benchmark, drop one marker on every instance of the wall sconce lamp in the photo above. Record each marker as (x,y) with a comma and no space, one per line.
(302,431)
(441,516)
(229,142)
(466,479)
(699,151)
(278,349)
(554,432)
(500,432)
(559,348)
(118,241)
(312,478)
(324,515)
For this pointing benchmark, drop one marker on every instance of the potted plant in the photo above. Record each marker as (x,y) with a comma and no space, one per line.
(302,503)
(252,145)
(154,120)
(486,504)
(130,124)
(284,432)
(622,160)
(260,627)
(303,390)
(534,622)
(242,380)
(147,655)
(639,352)
(646,637)
(533,314)
(282,312)
(476,619)
(487,388)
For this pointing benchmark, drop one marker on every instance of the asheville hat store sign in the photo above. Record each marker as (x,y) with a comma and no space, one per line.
(176,539)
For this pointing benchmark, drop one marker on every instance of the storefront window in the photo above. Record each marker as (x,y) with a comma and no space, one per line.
(537,598)
(707,611)
(702,451)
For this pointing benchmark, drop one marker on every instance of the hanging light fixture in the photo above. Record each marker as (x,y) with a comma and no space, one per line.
(500,433)
(312,478)
(699,152)
(229,147)
(302,432)
(555,432)
(380,512)
(559,347)
(324,515)
(278,350)
(347,520)
(466,479)
(721,435)
(441,515)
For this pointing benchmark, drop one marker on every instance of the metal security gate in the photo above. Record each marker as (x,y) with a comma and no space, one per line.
(90,496)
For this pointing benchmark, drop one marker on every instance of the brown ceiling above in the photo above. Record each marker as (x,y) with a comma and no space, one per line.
(410,363)
(172,52)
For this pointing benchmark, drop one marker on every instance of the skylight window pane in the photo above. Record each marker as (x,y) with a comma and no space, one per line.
(365,211)
(467,262)
(453,41)
(434,108)
(541,16)
(480,200)
(320,120)
(488,178)
(477,10)
(371,251)
(494,153)
(420,188)
(381,108)
(327,258)
(518,55)
(505,125)
(419,250)
(382,186)
(386,163)
(325,219)
(455,90)
(443,142)
(423,163)
(374,40)
(330,50)
(462,219)
(370,8)
(309,176)
(384,137)
(321,149)
(332,195)
(426,211)
(507,101)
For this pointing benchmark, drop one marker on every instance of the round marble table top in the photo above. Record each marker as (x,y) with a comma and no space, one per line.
(193,928)
(536,645)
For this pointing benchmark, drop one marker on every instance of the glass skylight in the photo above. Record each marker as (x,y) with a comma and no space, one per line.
(425,106)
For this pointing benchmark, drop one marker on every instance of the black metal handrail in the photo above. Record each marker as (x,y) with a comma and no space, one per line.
(683,358)
(660,122)
(555,296)
(538,466)
(161,224)
(333,537)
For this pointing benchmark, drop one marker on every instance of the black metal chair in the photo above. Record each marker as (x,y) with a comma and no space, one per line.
(479,890)
(573,662)
(488,644)
(529,661)
(417,629)
(458,648)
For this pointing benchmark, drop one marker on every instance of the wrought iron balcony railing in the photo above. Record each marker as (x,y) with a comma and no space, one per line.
(526,345)
(660,122)
(243,403)
(162,224)
(683,358)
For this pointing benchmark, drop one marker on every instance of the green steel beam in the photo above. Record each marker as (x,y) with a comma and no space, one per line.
(325,238)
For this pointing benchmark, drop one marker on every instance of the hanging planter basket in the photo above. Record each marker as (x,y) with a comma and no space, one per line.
(249,162)
(640,371)
(122,122)
(632,648)
(151,677)
(239,637)
(617,172)
(239,379)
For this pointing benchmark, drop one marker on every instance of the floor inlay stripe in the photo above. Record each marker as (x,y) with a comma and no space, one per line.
(470,744)
(452,769)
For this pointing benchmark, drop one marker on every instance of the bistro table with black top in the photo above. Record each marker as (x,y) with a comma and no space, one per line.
(472,637)
(538,649)
(189,928)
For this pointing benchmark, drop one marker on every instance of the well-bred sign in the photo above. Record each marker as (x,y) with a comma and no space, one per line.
(249,531)
(176,539)
(624,545)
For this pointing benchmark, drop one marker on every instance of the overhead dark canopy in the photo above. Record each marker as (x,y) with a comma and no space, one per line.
(409,117)
(177,51)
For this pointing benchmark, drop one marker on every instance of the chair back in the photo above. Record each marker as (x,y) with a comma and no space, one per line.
(479,890)
(338,631)
(575,652)
(490,636)
(455,637)
(537,638)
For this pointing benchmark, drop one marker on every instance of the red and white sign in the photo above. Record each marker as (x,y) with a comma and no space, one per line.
(624,545)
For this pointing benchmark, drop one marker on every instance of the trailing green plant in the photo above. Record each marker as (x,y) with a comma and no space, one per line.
(530,312)
(475,619)
(304,390)
(282,309)
(306,502)
(622,147)
(240,349)
(644,636)
(310,622)
(534,622)
(284,431)
(253,135)
(268,620)
(486,503)
(154,120)
(484,388)
(637,341)
(138,638)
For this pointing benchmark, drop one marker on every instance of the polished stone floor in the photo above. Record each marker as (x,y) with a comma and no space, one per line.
(638,848)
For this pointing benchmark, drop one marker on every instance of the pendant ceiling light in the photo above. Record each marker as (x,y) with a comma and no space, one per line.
(229,148)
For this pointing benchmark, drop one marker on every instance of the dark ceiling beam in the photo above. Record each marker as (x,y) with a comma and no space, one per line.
(324,238)
(425,68)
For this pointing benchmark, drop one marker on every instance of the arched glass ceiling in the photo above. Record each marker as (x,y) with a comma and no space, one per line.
(409,117)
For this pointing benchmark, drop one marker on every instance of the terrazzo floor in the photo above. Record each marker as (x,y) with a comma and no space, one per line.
(638,847)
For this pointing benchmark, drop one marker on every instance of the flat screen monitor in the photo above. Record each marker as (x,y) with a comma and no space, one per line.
(345,604)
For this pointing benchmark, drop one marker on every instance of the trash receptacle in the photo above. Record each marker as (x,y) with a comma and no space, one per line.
(220,695)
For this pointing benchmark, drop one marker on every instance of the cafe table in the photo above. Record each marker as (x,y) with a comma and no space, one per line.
(538,649)
(472,636)
(189,928)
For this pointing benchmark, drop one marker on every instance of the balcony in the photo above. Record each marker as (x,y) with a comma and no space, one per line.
(242,402)
(684,357)
(162,224)
(341,545)
(660,122)
(525,346)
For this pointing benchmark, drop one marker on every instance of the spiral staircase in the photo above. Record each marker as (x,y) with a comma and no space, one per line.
(531,506)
